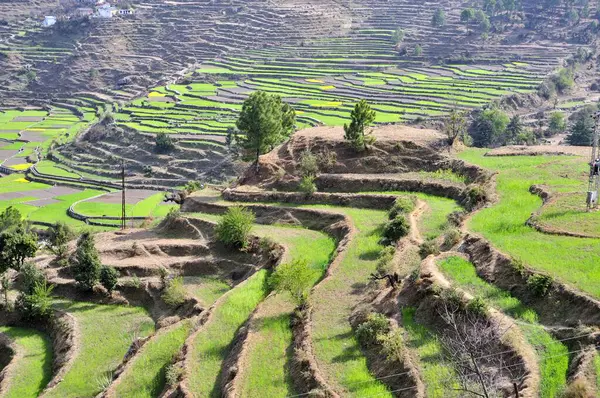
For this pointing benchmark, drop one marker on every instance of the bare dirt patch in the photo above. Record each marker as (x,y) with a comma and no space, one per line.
(28,119)
(383,133)
(132,196)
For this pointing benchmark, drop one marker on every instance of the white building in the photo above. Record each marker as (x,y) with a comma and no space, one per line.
(105,11)
(128,11)
(49,21)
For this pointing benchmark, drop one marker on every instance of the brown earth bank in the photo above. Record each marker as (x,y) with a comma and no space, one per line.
(180,246)
(62,329)
(304,369)
(562,305)
(398,149)
(8,351)
(430,293)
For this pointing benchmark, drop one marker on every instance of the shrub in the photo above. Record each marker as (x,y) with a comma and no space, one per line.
(60,234)
(396,229)
(87,262)
(477,306)
(402,205)
(308,164)
(578,389)
(164,274)
(385,259)
(369,331)
(234,227)
(307,185)
(326,159)
(475,196)
(518,266)
(173,214)
(392,345)
(164,143)
(539,284)
(109,277)
(295,278)
(428,248)
(456,218)
(174,294)
(193,186)
(451,237)
(38,304)
(173,373)
(32,276)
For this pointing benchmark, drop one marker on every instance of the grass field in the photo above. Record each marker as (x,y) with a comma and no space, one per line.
(438,376)
(146,375)
(106,332)
(211,344)
(553,355)
(504,223)
(33,368)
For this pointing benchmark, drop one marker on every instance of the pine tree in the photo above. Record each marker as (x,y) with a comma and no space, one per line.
(361,117)
(266,121)
(87,262)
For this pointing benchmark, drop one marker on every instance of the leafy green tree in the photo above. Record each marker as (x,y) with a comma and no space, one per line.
(295,278)
(164,143)
(564,79)
(234,226)
(15,246)
(455,125)
(489,127)
(418,51)
(10,218)
(398,37)
(265,121)
(60,235)
(36,305)
(87,262)
(361,117)
(582,132)
(439,18)
(30,277)
(514,129)
(557,123)
(466,16)
(109,277)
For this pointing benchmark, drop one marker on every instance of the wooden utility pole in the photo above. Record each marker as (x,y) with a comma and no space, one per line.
(123,226)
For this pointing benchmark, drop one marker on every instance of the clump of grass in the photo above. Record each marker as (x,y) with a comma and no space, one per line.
(234,227)
(174,293)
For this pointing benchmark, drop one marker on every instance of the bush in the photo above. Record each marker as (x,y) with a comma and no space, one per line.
(173,373)
(518,266)
(37,305)
(109,277)
(308,164)
(326,159)
(193,186)
(428,248)
(60,234)
(402,205)
(295,278)
(32,276)
(307,185)
(87,262)
(385,259)
(234,227)
(164,143)
(475,196)
(539,284)
(477,306)
(456,218)
(392,345)
(451,238)
(174,294)
(396,229)
(370,330)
